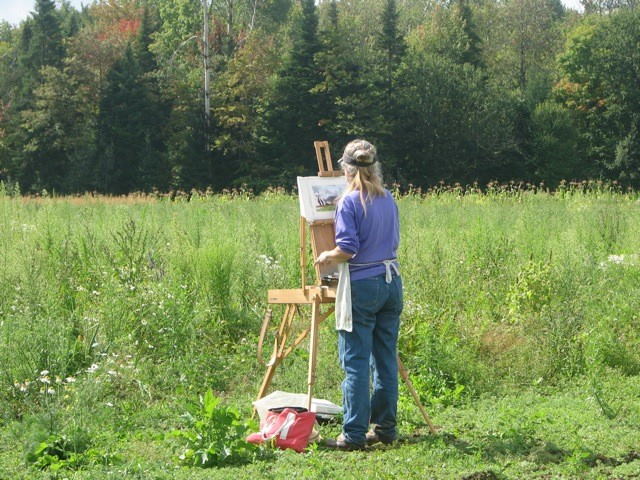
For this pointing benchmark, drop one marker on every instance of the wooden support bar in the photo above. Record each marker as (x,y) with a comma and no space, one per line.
(278,348)
(287,329)
(268,376)
(303,252)
(302,296)
(263,331)
(305,332)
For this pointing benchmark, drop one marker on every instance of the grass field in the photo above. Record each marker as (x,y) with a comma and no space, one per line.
(521,330)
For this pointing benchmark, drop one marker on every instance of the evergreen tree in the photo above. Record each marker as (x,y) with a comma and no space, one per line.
(69,19)
(146,59)
(45,44)
(40,46)
(154,167)
(348,101)
(391,42)
(472,53)
(120,136)
(387,119)
(296,110)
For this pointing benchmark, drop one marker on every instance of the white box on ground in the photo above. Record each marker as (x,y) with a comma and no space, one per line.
(279,399)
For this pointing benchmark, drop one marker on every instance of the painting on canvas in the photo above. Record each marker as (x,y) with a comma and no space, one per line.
(319,196)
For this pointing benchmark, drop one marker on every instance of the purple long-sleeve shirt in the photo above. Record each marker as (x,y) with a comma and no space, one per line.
(371,238)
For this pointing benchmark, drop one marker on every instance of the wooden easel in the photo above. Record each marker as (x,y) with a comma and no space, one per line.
(322,239)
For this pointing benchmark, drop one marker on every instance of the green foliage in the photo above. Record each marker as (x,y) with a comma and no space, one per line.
(59,452)
(215,436)
(451,125)
(598,66)
(554,142)
(457,91)
(532,291)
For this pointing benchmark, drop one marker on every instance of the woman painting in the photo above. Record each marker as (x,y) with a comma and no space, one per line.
(367,237)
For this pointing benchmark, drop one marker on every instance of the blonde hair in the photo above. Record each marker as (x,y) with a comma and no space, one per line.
(366,177)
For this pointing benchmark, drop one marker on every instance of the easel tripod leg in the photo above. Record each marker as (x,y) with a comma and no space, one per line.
(278,348)
(416,398)
(313,349)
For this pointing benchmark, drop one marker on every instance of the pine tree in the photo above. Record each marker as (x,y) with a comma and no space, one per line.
(344,85)
(472,54)
(120,136)
(45,46)
(145,57)
(296,109)
(40,46)
(154,168)
(391,42)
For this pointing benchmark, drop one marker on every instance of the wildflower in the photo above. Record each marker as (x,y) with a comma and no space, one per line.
(92,368)
(51,391)
(70,380)
(112,372)
(109,404)
(44,373)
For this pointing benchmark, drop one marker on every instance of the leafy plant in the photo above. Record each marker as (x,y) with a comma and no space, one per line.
(215,436)
(532,289)
(58,452)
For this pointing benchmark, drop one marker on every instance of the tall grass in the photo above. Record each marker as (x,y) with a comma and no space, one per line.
(125,303)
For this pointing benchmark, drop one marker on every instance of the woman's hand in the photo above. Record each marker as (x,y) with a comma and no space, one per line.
(324,258)
(329,257)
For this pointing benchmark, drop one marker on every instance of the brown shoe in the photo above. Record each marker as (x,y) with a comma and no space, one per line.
(372,438)
(341,444)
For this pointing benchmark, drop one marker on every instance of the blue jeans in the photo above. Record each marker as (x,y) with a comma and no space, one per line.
(371,347)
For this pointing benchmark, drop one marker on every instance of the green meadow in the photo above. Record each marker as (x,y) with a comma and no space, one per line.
(521,331)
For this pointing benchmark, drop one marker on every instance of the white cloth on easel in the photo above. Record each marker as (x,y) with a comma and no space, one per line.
(344,315)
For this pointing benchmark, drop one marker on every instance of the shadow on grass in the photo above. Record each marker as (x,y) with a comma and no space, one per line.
(513,444)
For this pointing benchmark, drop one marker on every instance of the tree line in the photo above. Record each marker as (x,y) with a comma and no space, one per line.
(143,95)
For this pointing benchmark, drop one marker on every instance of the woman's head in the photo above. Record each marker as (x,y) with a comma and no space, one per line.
(362,169)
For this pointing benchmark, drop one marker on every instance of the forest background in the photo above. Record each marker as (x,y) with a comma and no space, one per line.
(112,98)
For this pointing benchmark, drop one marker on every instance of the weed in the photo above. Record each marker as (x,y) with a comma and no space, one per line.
(215,435)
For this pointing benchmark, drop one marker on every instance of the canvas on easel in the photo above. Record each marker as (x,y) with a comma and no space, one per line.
(318,197)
